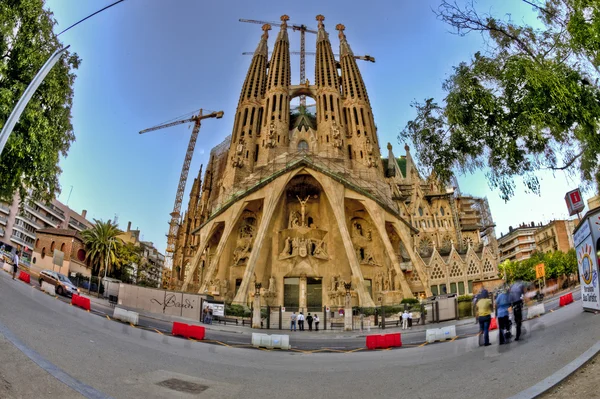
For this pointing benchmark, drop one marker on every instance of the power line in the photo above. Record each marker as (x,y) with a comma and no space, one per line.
(90,16)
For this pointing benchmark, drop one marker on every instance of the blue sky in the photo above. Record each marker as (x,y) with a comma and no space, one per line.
(149,61)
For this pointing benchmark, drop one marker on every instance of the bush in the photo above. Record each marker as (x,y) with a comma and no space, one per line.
(410,301)
(465,298)
(237,310)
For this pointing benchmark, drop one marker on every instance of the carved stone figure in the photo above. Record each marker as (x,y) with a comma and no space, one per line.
(272,287)
(369,147)
(302,250)
(303,209)
(295,246)
(287,249)
(237,162)
(320,251)
(357,228)
(293,222)
(270,142)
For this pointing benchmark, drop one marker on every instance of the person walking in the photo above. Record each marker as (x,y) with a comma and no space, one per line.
(15,264)
(502,304)
(484,313)
(515,294)
(309,320)
(316,319)
(405,319)
(293,318)
(301,321)
(410,316)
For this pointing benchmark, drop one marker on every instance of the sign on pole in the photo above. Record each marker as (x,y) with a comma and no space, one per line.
(574,201)
(58,258)
(540,271)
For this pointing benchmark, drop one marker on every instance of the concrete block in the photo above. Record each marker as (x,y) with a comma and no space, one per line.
(281,341)
(126,316)
(431,335)
(48,288)
(536,310)
(449,332)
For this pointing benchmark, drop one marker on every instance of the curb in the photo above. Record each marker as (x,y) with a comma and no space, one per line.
(550,382)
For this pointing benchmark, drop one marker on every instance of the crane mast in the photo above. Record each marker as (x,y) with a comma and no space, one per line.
(176,214)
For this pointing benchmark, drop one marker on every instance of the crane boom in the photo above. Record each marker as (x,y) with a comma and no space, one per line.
(358,57)
(151,129)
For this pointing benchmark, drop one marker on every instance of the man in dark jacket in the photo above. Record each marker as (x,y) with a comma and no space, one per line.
(309,320)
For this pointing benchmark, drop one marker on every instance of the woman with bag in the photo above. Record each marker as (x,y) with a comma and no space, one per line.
(484,313)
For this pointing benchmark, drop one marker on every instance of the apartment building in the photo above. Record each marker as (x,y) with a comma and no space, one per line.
(152,262)
(518,244)
(555,236)
(18,227)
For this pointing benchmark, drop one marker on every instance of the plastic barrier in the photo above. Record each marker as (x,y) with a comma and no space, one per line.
(48,288)
(431,335)
(281,341)
(493,324)
(449,332)
(80,301)
(126,316)
(188,331)
(179,329)
(7,267)
(384,341)
(372,341)
(565,299)
(25,277)
(535,310)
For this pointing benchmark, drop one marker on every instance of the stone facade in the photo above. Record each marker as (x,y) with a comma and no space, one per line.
(302,203)
(555,236)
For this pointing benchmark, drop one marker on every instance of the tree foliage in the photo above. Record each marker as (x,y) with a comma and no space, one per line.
(44,131)
(530,102)
(102,244)
(556,264)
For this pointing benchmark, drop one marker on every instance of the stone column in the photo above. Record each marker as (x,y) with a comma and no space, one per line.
(256,312)
(348,308)
(302,290)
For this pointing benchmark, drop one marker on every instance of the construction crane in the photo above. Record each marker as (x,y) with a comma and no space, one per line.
(358,57)
(296,28)
(175,215)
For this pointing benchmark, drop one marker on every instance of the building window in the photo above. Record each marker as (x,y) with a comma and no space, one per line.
(37,243)
(62,247)
(43,252)
(420,211)
(52,247)
(81,255)
(302,145)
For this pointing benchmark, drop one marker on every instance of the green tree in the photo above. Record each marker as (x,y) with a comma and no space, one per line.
(530,102)
(44,131)
(102,246)
(128,254)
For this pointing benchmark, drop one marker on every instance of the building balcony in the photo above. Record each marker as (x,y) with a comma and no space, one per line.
(546,238)
(516,242)
(21,241)
(3,220)
(40,215)
(77,225)
(23,230)
(57,212)
(30,222)
(2,232)
(5,209)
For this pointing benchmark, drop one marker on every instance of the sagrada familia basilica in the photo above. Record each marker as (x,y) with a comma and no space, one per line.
(303,203)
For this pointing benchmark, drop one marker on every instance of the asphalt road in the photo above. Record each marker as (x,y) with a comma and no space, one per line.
(123,362)
(338,340)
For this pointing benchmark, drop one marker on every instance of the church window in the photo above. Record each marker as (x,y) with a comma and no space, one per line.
(256,153)
(361,154)
(420,211)
(331,102)
(302,145)
(247,152)
(355,116)
(456,270)
(362,117)
(278,137)
(327,138)
(349,151)
(345,116)
(245,116)
(358,133)
(252,116)
(442,210)
(473,269)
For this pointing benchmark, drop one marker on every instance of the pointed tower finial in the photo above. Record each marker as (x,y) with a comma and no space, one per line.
(266,28)
(284,18)
(341,28)
(320,18)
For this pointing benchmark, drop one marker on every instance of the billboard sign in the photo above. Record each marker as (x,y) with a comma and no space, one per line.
(574,201)
(587,262)
(218,309)
(58,258)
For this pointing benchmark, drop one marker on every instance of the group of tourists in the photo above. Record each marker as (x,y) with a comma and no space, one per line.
(407,320)
(299,319)
(505,299)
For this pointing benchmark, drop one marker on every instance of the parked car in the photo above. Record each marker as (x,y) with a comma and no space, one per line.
(61,283)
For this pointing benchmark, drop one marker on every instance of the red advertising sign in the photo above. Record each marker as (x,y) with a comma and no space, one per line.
(574,201)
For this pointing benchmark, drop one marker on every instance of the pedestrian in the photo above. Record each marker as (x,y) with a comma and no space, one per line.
(484,313)
(515,295)
(410,316)
(293,318)
(309,320)
(502,304)
(15,264)
(301,321)
(405,319)
(316,319)
(210,315)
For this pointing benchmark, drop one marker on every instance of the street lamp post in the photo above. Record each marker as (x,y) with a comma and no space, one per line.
(256,313)
(348,308)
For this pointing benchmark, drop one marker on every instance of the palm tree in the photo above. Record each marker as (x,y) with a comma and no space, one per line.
(102,244)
